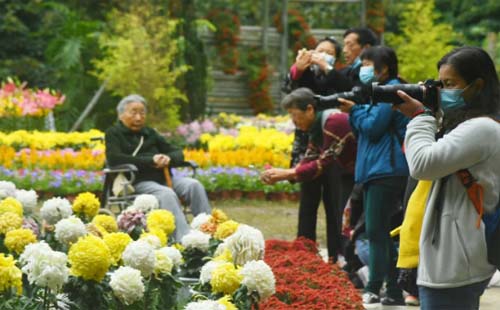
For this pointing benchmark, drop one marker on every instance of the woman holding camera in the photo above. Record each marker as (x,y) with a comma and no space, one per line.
(382,169)
(453,266)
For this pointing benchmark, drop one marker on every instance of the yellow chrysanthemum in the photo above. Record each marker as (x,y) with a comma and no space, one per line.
(163,263)
(218,216)
(10,221)
(117,242)
(161,219)
(86,204)
(16,240)
(106,221)
(160,234)
(225,279)
(96,230)
(226,301)
(10,204)
(90,258)
(10,275)
(226,256)
(226,229)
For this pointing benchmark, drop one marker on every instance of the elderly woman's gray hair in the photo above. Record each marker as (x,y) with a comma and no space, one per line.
(122,105)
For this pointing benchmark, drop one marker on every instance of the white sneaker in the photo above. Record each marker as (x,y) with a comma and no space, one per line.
(370,298)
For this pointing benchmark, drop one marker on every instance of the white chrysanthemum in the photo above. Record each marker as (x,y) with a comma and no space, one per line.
(7,189)
(140,255)
(145,203)
(199,220)
(127,285)
(258,276)
(205,305)
(44,267)
(196,239)
(55,209)
(69,230)
(246,244)
(163,264)
(28,199)
(174,254)
(153,240)
(206,270)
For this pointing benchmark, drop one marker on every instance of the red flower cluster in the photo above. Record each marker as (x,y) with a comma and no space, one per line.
(226,37)
(304,281)
(298,30)
(258,70)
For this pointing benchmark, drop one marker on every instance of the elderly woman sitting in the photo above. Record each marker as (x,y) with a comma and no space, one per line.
(155,153)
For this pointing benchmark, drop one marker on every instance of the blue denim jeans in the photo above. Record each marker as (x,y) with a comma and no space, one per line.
(457,298)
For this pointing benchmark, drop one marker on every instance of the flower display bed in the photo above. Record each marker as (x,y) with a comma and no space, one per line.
(305,281)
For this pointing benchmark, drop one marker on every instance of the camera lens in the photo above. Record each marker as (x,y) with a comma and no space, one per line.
(388,93)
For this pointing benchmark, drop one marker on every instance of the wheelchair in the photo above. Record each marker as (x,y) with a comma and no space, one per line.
(112,204)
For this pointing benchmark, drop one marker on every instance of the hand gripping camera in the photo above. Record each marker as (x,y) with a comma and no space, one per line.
(427,93)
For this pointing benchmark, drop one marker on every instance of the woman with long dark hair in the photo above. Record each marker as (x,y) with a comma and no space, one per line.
(453,265)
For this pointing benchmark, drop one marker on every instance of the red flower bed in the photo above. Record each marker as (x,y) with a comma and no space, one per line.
(305,281)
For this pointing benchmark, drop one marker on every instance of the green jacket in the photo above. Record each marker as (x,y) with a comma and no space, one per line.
(121,143)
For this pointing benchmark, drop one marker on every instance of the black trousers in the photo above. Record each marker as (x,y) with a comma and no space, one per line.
(334,188)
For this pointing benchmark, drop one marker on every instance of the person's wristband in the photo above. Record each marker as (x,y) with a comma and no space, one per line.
(422,111)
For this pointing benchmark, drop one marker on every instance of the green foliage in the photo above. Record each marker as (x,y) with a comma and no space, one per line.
(422,41)
(139,55)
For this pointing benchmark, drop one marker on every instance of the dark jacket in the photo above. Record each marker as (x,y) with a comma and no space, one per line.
(121,143)
(321,84)
(329,143)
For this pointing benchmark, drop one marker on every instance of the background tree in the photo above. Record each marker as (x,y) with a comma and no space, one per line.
(421,42)
(139,54)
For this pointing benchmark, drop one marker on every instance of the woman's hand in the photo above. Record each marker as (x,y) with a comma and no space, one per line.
(303,60)
(346,105)
(410,106)
(317,58)
(274,175)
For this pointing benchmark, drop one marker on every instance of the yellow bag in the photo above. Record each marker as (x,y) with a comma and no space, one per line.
(412,226)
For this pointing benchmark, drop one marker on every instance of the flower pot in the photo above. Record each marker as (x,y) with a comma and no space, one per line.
(255,195)
(236,194)
(224,195)
(212,195)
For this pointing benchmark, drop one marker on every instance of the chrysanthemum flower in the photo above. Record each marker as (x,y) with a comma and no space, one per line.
(174,254)
(28,199)
(226,229)
(145,203)
(90,258)
(161,219)
(44,267)
(218,216)
(68,230)
(199,220)
(140,255)
(106,221)
(117,242)
(126,283)
(258,276)
(163,263)
(55,209)
(17,239)
(246,244)
(10,275)
(7,189)
(9,221)
(196,239)
(225,279)
(11,204)
(152,239)
(86,204)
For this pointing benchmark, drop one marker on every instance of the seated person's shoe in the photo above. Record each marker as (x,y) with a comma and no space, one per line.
(411,300)
(389,301)
(370,298)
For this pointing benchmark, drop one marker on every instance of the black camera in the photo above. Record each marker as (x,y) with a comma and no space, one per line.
(427,93)
(358,94)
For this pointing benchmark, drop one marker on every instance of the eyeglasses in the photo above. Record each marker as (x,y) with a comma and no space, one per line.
(137,112)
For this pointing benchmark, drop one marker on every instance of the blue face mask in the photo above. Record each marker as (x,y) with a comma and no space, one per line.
(366,74)
(452,99)
(329,59)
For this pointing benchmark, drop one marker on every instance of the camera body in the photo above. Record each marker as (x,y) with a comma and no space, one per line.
(427,93)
